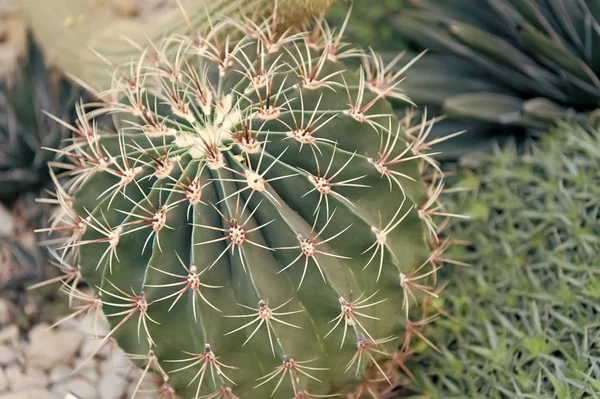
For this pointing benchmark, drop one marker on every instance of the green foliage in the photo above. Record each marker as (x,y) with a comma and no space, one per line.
(255,202)
(525,316)
(505,63)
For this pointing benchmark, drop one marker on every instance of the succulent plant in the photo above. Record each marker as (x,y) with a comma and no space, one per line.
(25,93)
(256,223)
(504,63)
(72,33)
(524,318)
(25,130)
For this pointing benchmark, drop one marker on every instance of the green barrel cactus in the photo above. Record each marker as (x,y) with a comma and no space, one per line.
(256,224)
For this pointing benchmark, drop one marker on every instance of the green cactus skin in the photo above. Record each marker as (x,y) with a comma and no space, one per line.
(257,224)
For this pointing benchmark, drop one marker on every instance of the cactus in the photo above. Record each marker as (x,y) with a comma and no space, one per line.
(72,32)
(525,320)
(257,223)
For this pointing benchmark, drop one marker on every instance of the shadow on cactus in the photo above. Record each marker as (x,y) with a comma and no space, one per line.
(258,224)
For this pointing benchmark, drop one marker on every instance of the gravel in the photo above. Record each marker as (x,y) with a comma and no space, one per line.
(43,364)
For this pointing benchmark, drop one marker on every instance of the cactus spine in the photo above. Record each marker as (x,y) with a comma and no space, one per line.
(72,32)
(256,224)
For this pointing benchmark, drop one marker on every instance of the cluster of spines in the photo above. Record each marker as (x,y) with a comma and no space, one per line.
(219,125)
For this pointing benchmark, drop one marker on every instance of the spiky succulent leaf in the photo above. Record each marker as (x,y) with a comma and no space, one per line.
(524,316)
(507,62)
(257,221)
(25,130)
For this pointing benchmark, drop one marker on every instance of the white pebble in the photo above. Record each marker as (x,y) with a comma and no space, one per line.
(19,379)
(111,386)
(78,387)
(3,381)
(33,393)
(9,334)
(48,348)
(7,355)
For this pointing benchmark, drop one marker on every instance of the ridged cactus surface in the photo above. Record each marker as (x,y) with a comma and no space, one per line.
(256,224)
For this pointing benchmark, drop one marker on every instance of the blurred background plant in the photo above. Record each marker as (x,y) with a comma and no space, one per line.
(13,35)
(27,89)
(369,23)
(523,320)
(507,65)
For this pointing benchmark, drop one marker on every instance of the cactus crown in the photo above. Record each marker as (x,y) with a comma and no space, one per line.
(256,224)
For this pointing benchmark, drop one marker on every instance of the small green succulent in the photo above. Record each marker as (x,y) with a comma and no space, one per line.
(256,223)
(523,320)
